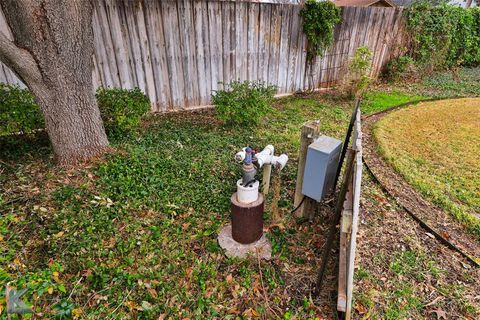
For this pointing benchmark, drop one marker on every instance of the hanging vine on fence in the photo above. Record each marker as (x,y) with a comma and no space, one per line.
(319,20)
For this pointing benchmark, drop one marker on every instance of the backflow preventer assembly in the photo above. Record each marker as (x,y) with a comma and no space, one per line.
(247,204)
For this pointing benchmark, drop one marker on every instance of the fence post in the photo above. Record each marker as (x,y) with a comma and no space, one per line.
(310,131)
(267,172)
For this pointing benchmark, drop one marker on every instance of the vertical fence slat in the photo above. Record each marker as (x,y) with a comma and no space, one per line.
(187,45)
(171,31)
(241,37)
(293,51)
(146,57)
(200,50)
(264,41)
(226,41)
(285,35)
(377,50)
(107,43)
(112,14)
(275,29)
(133,45)
(158,54)
(205,33)
(253,32)
(216,46)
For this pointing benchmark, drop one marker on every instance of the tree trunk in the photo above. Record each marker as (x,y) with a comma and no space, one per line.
(52,54)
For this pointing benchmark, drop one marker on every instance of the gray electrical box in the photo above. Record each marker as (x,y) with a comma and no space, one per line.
(320,167)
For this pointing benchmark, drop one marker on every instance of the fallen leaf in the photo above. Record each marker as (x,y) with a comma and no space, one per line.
(131,305)
(233,310)
(153,292)
(361,309)
(249,313)
(55,275)
(434,301)
(440,313)
(77,312)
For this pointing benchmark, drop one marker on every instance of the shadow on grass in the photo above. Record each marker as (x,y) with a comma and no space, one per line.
(23,147)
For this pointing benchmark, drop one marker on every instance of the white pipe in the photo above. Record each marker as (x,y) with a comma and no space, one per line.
(247,194)
(265,155)
(280,161)
(240,155)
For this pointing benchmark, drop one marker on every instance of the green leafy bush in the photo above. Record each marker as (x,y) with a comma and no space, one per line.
(18,111)
(243,102)
(401,68)
(121,109)
(358,78)
(443,36)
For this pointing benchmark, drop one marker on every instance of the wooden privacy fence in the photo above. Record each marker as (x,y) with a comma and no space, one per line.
(349,226)
(177,51)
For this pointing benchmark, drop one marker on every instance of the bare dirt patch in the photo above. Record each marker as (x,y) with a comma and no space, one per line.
(402,273)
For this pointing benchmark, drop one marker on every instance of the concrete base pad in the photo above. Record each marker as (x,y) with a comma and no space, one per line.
(232,248)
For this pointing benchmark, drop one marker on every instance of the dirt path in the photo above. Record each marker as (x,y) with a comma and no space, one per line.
(402,273)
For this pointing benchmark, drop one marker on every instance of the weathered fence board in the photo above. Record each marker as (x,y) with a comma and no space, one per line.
(177,51)
(349,226)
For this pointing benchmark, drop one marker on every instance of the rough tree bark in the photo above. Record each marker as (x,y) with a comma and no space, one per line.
(51,53)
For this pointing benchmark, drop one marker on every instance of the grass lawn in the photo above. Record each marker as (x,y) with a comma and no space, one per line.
(375,101)
(134,235)
(436,147)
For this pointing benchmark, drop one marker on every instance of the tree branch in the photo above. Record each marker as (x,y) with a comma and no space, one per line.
(19,60)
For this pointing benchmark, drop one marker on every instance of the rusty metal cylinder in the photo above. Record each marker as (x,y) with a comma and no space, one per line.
(247,220)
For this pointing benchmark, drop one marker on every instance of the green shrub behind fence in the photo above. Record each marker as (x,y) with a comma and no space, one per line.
(243,103)
(121,110)
(444,36)
(18,111)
